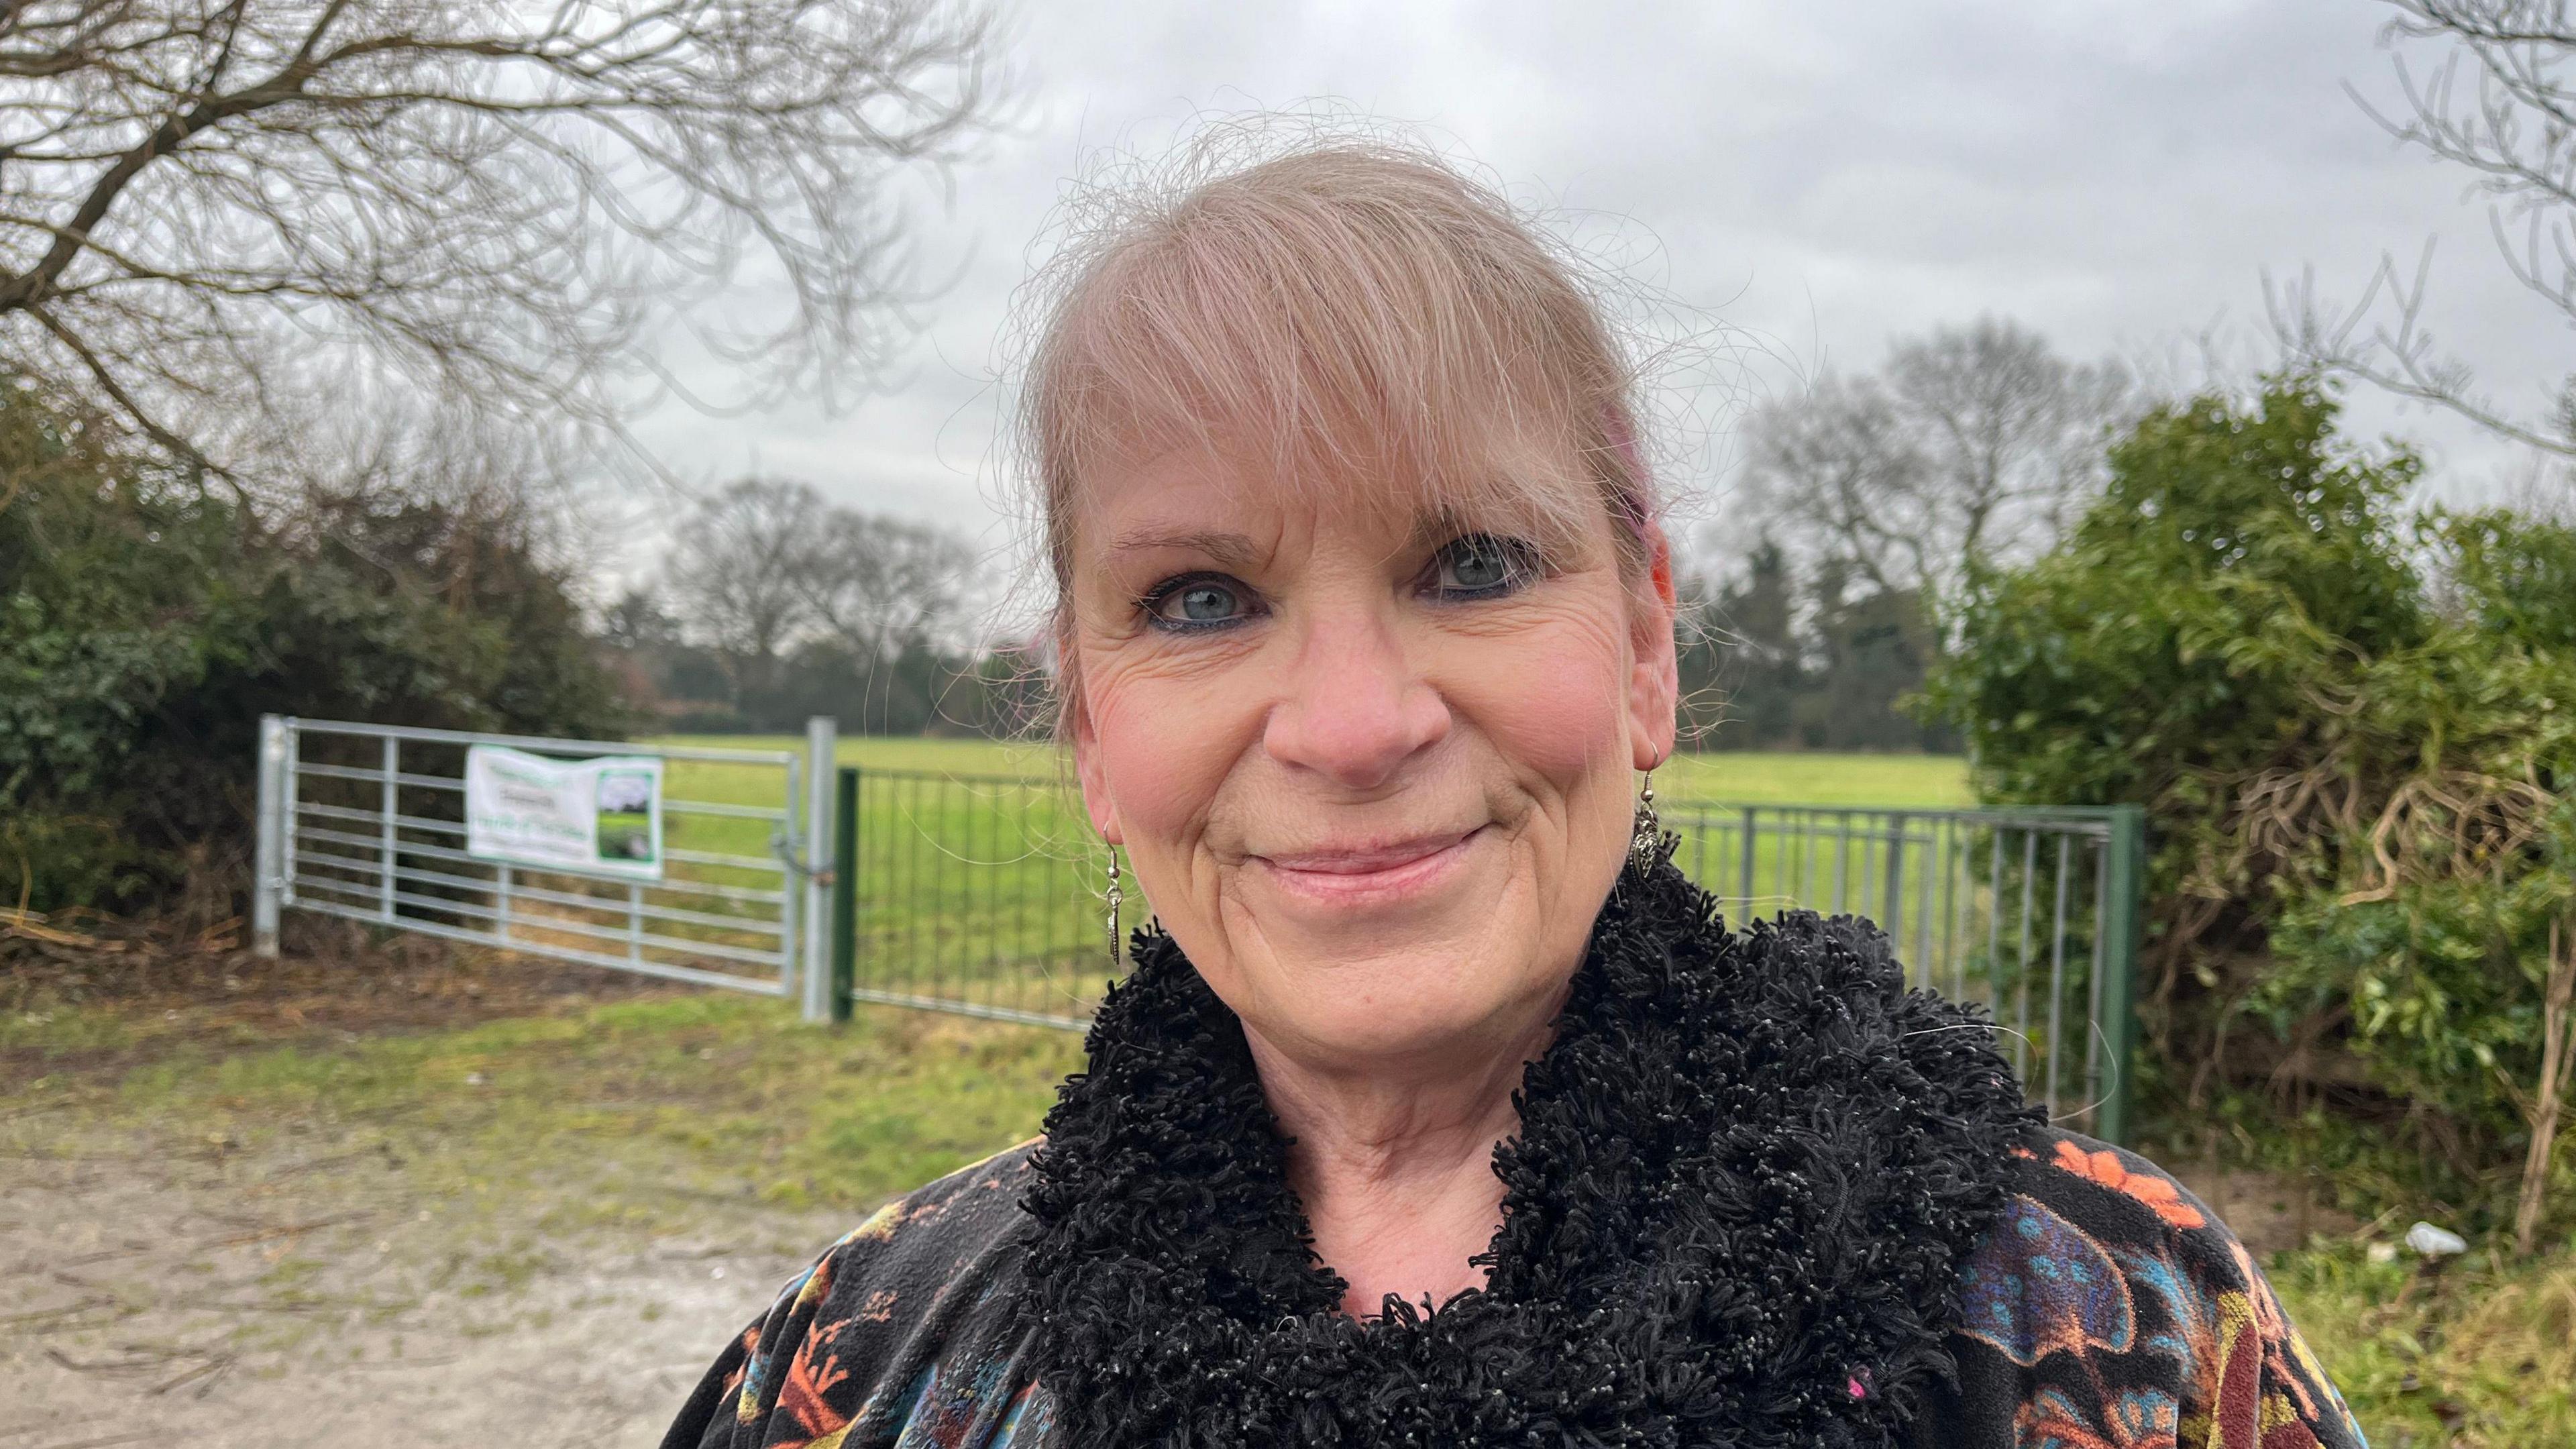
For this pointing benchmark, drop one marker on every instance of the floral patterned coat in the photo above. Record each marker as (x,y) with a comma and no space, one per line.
(2105,1309)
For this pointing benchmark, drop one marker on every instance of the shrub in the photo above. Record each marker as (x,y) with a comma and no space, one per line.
(146,623)
(2352,729)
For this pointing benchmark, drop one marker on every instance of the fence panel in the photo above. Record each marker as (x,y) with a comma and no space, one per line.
(2031,914)
(366,822)
(979,895)
(972,894)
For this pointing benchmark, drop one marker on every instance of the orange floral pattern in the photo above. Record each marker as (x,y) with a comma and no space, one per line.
(2156,1190)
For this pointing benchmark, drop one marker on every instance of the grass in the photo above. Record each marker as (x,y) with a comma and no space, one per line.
(2479,1356)
(638,1111)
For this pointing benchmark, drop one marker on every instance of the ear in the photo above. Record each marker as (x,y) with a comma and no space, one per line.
(1654,675)
(1080,728)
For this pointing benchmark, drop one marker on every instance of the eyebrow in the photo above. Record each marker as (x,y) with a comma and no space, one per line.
(1438,526)
(1234,550)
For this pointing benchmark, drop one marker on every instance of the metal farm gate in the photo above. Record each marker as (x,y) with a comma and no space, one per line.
(367,822)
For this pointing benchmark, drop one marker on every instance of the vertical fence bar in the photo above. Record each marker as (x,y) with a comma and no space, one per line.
(1954,869)
(2021,962)
(822,741)
(2125,861)
(1926,905)
(1842,863)
(1751,844)
(1023,946)
(504,879)
(987,809)
(784,847)
(1995,922)
(385,867)
(274,822)
(914,957)
(845,891)
(1891,888)
(2100,852)
(289,815)
(2057,977)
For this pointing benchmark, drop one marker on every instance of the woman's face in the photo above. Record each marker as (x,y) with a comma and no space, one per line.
(1372,768)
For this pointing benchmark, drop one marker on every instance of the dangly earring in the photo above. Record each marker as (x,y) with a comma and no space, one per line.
(1115,897)
(1647,838)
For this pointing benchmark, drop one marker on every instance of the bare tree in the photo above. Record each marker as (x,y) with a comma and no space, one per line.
(212,209)
(739,572)
(876,584)
(1840,472)
(2501,105)
(1973,442)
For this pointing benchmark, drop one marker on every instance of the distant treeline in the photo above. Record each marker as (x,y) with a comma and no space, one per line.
(1774,661)
(919,688)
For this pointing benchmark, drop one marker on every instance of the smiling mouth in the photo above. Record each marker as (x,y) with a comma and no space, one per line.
(1371,874)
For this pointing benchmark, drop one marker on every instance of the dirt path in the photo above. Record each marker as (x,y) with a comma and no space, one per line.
(311,1295)
(171,1286)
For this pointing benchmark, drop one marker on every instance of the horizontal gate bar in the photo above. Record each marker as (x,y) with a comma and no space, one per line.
(757,985)
(667,883)
(539,744)
(473,910)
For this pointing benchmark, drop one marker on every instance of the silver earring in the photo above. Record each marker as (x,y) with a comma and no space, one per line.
(1647,838)
(1117,954)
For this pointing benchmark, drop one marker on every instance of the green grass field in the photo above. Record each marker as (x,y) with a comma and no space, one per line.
(1783,779)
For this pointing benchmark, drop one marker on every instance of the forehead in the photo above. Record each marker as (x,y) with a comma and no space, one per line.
(1218,501)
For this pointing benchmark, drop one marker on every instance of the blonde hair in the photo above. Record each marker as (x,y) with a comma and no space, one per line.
(1344,310)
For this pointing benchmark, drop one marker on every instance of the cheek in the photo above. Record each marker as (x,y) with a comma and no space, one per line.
(1166,740)
(1550,700)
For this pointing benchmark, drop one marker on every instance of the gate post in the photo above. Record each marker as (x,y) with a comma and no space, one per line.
(822,776)
(2124,863)
(845,893)
(268,861)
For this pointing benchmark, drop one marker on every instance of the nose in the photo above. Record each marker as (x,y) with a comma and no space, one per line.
(1356,707)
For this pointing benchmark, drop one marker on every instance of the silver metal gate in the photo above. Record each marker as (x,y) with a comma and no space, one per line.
(367,822)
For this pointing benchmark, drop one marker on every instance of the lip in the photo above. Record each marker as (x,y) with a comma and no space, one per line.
(1379,872)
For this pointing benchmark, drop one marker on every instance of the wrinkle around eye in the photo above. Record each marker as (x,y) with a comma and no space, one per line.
(1137,650)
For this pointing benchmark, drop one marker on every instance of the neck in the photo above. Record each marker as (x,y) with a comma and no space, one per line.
(1393,1163)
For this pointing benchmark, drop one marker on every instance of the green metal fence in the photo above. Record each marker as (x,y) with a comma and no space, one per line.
(978,895)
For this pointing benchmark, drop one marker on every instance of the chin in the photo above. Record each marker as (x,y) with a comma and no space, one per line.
(1403,1004)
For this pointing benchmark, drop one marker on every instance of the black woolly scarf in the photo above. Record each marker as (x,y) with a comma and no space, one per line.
(1749,1169)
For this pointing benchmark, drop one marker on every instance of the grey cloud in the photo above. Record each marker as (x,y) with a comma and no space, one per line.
(2118,176)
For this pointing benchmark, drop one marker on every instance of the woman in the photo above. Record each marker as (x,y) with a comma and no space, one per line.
(1438,1107)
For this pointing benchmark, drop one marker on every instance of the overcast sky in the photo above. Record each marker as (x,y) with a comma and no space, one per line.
(2117,174)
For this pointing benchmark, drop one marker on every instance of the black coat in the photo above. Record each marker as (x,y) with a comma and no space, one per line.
(1763,1195)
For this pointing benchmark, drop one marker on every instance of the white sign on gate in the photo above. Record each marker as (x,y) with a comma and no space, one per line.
(600,817)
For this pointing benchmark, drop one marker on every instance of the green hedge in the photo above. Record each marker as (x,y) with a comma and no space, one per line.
(147,620)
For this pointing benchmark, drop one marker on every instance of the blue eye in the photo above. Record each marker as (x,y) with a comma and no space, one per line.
(1195,603)
(1479,565)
